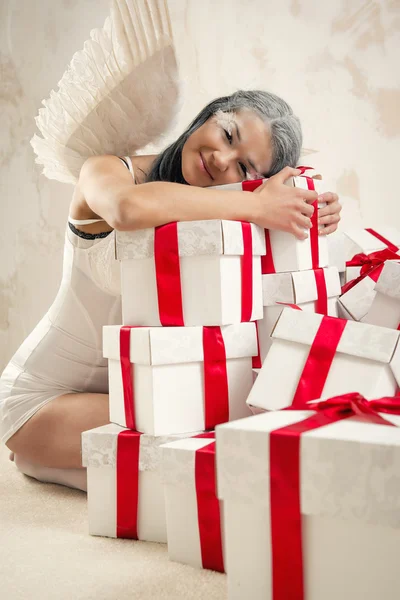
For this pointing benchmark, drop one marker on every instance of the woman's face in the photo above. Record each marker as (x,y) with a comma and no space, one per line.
(229,147)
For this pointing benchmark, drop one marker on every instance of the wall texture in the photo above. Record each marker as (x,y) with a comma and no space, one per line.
(336,63)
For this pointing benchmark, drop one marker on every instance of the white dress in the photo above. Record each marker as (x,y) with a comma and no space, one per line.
(63,354)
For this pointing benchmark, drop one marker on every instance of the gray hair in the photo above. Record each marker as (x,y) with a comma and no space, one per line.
(284,126)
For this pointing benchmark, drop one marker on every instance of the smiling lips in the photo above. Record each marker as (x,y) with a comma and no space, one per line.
(205,167)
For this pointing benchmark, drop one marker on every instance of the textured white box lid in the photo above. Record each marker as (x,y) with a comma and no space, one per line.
(195,238)
(298,287)
(389,279)
(173,345)
(178,460)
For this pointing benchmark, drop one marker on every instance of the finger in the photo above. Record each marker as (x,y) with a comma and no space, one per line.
(306,209)
(309,196)
(317,177)
(329,220)
(331,209)
(299,232)
(285,174)
(328,197)
(304,222)
(327,230)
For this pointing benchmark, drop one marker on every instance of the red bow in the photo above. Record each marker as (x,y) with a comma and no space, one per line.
(355,404)
(371,265)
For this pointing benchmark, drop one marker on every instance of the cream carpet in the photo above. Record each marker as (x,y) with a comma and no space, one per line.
(47,554)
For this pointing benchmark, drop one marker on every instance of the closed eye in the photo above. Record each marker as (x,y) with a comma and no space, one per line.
(241,165)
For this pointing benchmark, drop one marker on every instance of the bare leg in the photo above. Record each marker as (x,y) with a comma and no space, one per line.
(52,437)
(73,478)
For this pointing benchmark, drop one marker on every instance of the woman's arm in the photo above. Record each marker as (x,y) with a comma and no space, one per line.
(110,192)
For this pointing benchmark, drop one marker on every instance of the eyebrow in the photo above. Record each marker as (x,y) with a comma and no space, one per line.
(240,139)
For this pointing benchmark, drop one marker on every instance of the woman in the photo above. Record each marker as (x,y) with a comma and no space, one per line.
(56,384)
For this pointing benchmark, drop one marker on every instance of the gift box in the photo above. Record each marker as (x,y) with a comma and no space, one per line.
(313,356)
(362,242)
(193,511)
(284,252)
(385,307)
(312,502)
(315,291)
(125,492)
(336,250)
(191,273)
(358,294)
(166,380)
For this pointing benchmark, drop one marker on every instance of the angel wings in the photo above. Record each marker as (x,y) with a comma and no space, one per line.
(120,93)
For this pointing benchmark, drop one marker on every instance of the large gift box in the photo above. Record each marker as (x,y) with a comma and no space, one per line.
(312,502)
(313,356)
(191,273)
(192,509)
(284,252)
(315,291)
(385,307)
(125,492)
(359,243)
(166,380)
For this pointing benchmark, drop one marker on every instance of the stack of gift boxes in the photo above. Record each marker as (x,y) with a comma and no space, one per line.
(206,305)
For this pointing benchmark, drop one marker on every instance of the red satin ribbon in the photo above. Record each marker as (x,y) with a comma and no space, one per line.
(319,360)
(127,372)
(314,242)
(216,391)
(247,273)
(127,481)
(286,524)
(382,239)
(168,275)
(267,261)
(321,304)
(256,360)
(209,519)
(371,266)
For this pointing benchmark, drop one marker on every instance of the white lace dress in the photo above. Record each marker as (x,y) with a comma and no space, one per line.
(63,354)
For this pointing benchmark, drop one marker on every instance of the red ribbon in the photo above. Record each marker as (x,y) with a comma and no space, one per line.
(216,391)
(168,275)
(321,304)
(127,372)
(247,273)
(382,239)
(314,242)
(209,518)
(319,360)
(286,524)
(256,360)
(371,266)
(128,446)
(267,261)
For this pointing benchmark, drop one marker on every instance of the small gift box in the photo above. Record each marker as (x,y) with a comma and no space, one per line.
(191,273)
(359,243)
(313,356)
(192,508)
(166,380)
(315,291)
(284,252)
(385,307)
(312,501)
(358,294)
(125,493)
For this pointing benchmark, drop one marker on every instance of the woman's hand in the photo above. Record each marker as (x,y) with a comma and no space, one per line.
(284,207)
(330,214)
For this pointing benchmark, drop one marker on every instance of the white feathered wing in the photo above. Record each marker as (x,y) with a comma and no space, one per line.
(120,93)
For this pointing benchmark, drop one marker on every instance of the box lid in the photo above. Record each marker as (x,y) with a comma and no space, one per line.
(358,339)
(349,469)
(366,242)
(178,460)
(389,279)
(195,238)
(173,345)
(298,287)
(99,447)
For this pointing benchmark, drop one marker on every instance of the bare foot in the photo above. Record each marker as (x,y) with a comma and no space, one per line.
(11,457)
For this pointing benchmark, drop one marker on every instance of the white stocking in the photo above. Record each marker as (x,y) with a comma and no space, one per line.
(73,478)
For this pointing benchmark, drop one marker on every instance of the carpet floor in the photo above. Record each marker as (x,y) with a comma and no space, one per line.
(47,554)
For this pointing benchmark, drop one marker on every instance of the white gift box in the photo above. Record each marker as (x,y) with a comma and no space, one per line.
(289,253)
(385,307)
(182,500)
(297,288)
(349,501)
(336,250)
(100,457)
(358,240)
(168,375)
(367,359)
(357,301)
(210,263)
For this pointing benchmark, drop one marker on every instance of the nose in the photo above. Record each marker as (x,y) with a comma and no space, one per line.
(223,159)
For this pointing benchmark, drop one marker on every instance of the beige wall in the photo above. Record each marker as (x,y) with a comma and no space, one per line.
(336,63)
